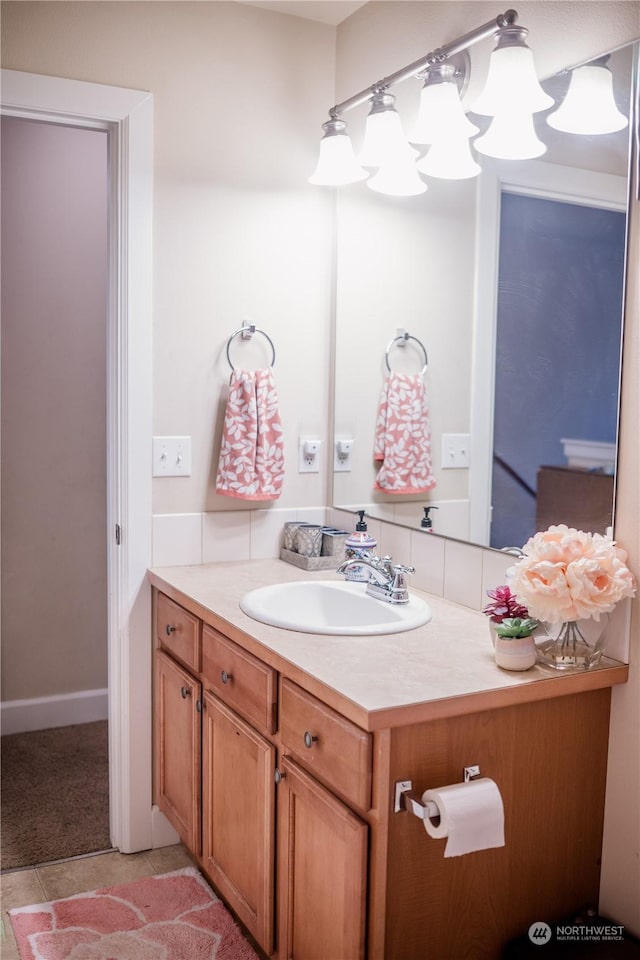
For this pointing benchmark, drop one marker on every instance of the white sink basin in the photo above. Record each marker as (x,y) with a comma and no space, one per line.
(332,607)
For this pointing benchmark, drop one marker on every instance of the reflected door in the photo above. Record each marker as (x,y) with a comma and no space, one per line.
(559,314)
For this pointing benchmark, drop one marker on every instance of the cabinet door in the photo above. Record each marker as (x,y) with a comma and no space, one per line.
(177,748)
(239,817)
(322,857)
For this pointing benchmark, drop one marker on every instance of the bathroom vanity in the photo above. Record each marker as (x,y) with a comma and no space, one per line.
(276,755)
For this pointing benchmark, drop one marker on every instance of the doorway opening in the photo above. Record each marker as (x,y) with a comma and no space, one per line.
(127,115)
(55,272)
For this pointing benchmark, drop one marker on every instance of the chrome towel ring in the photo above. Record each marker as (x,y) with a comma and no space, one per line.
(401,340)
(246,332)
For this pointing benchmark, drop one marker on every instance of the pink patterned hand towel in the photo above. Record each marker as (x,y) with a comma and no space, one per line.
(251,465)
(403,437)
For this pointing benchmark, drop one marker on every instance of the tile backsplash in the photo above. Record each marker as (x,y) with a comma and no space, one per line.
(446,568)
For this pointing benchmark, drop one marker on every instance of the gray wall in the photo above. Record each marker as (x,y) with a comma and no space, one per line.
(54,296)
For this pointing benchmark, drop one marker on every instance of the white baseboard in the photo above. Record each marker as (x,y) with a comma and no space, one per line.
(41,713)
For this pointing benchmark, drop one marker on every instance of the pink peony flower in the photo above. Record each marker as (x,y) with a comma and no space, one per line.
(566,574)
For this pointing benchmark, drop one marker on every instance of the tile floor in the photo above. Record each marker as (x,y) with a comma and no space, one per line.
(58,880)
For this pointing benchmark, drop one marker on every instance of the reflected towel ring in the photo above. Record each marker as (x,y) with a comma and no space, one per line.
(246,333)
(403,340)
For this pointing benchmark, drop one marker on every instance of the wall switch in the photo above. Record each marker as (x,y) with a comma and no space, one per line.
(455,450)
(171,456)
(309,455)
(342,451)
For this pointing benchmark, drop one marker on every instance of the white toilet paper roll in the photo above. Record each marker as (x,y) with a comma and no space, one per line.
(471,816)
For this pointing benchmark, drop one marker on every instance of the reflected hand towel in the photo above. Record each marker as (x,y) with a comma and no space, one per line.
(251,464)
(403,436)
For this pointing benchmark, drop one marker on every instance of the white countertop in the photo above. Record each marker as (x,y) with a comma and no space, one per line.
(444,668)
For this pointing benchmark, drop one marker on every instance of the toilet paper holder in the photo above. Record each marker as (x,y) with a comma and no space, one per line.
(406,799)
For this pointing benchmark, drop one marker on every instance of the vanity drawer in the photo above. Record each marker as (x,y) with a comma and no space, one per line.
(240,680)
(327,744)
(178,632)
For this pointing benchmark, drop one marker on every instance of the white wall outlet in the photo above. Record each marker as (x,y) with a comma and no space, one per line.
(455,450)
(172,456)
(342,452)
(309,455)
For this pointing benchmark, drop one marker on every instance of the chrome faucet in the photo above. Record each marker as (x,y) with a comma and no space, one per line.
(386,579)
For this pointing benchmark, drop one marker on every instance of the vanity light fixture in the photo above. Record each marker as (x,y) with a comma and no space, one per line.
(512,85)
(441,115)
(399,178)
(511,96)
(337,164)
(384,140)
(589,106)
(511,136)
(443,124)
(450,159)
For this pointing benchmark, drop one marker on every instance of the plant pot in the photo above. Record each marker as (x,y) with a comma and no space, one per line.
(515,653)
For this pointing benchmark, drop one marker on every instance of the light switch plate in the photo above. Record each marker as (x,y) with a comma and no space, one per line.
(455,450)
(172,456)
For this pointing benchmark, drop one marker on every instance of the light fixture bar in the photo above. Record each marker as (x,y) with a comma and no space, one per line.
(436,56)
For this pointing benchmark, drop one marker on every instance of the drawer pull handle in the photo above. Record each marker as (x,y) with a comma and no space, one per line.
(226,677)
(279,776)
(184,692)
(169,630)
(309,739)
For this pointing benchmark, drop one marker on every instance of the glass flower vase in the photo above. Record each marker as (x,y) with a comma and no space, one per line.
(573,644)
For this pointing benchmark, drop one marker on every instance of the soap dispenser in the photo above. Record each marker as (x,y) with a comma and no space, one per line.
(359,544)
(427,523)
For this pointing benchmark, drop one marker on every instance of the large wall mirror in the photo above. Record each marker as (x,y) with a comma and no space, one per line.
(513,283)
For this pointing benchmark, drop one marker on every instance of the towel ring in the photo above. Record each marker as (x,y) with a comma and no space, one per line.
(246,333)
(403,338)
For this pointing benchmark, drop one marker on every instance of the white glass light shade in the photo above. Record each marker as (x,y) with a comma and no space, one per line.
(337,164)
(449,159)
(441,114)
(511,136)
(384,140)
(511,84)
(589,106)
(398,179)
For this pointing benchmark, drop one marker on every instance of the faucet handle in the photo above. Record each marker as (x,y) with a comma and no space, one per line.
(401,568)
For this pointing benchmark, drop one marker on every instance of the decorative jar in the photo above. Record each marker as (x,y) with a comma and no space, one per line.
(574,643)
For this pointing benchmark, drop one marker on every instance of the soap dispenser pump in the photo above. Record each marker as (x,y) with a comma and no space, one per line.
(427,523)
(359,544)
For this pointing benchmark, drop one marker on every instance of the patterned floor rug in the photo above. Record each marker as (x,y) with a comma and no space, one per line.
(171,916)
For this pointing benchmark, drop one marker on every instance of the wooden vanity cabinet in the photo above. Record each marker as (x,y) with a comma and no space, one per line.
(177,780)
(322,884)
(215,780)
(238,816)
(321,867)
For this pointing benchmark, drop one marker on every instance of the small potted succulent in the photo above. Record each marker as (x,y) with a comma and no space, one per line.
(512,630)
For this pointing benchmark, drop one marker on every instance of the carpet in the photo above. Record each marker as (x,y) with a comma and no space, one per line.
(55,794)
(171,916)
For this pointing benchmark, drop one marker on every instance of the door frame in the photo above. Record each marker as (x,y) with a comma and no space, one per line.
(127,116)
(537,179)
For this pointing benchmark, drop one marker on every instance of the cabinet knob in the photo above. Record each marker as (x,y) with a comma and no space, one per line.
(184,692)
(226,677)
(279,776)
(309,739)
(169,630)
(199,706)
